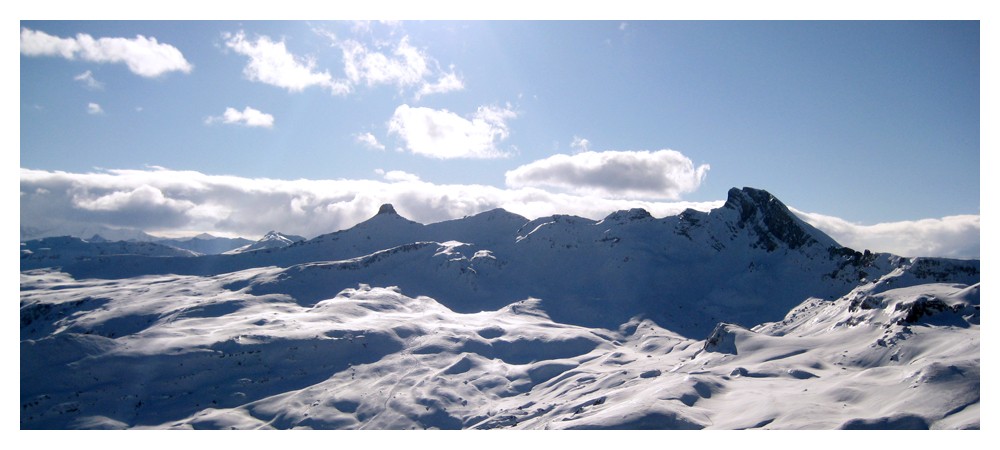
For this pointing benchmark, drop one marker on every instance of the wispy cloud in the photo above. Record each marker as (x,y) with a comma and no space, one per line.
(143,56)
(580,144)
(94,108)
(444,134)
(369,141)
(248,117)
(88,80)
(664,174)
(446,83)
(951,236)
(272,63)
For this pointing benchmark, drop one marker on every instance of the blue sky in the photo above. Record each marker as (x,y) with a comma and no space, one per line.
(234,127)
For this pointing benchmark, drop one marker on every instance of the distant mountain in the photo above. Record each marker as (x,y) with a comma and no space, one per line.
(83,231)
(272,239)
(65,250)
(747,262)
(206,244)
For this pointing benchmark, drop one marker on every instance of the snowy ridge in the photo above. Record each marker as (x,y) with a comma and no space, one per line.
(272,239)
(56,251)
(493,321)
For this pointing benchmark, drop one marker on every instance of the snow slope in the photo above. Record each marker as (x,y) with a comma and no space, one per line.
(192,352)
(272,239)
(743,317)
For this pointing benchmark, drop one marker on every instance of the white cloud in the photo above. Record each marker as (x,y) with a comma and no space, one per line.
(249,117)
(143,56)
(443,134)
(94,108)
(951,236)
(398,175)
(408,67)
(664,174)
(581,145)
(88,80)
(271,63)
(370,141)
(446,83)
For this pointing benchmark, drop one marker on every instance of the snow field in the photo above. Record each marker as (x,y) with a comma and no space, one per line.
(192,352)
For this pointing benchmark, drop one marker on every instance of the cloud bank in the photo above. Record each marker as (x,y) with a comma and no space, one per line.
(661,175)
(443,134)
(951,236)
(167,201)
(177,202)
(143,56)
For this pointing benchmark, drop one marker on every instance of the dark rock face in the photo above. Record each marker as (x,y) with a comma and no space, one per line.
(386,209)
(769,219)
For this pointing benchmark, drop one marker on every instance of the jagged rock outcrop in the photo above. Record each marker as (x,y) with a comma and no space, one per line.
(771,221)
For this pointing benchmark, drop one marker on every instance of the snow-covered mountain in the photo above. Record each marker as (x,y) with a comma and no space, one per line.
(65,250)
(83,231)
(206,244)
(272,239)
(496,321)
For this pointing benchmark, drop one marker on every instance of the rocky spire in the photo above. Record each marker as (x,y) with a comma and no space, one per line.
(386,209)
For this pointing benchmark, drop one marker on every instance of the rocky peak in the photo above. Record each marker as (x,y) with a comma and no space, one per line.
(769,219)
(628,215)
(386,209)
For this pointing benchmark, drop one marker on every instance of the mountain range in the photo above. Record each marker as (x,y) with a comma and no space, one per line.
(577,317)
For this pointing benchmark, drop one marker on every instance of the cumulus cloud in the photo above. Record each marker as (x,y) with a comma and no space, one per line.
(663,175)
(143,56)
(167,201)
(951,236)
(88,80)
(369,141)
(272,63)
(443,134)
(248,117)
(94,108)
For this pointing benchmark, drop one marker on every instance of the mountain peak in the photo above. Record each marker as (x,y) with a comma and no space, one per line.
(386,209)
(771,220)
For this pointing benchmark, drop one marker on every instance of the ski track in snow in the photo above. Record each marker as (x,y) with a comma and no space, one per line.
(289,345)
